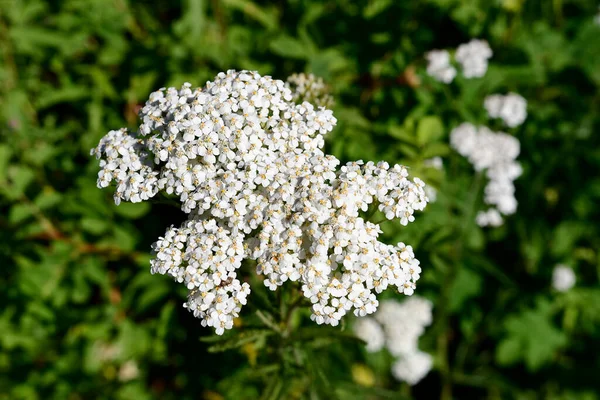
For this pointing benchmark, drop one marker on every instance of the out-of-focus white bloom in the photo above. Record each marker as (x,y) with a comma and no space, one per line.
(439,66)
(597,17)
(511,108)
(402,324)
(412,367)
(369,330)
(496,153)
(128,371)
(435,162)
(473,57)
(491,217)
(307,87)
(464,138)
(104,352)
(484,148)
(563,278)
(247,165)
(431,193)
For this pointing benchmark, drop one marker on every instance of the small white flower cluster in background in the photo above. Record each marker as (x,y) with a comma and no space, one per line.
(472,56)
(435,162)
(597,17)
(439,66)
(369,330)
(431,193)
(511,108)
(496,153)
(563,278)
(490,217)
(307,87)
(129,371)
(412,367)
(246,163)
(397,326)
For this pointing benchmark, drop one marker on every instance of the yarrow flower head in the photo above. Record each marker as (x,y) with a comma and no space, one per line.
(563,278)
(439,66)
(494,152)
(412,367)
(397,326)
(511,108)
(307,87)
(246,163)
(369,330)
(473,57)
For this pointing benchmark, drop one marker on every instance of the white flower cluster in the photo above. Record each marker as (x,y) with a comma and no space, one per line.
(563,278)
(435,162)
(494,152)
(439,66)
(412,367)
(369,330)
(511,108)
(309,88)
(397,326)
(490,217)
(473,58)
(247,164)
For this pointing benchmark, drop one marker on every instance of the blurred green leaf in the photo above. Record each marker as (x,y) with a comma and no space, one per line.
(132,210)
(466,285)
(531,337)
(95,226)
(287,46)
(429,129)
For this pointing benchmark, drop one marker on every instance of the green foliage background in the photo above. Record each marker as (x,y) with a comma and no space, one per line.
(79,306)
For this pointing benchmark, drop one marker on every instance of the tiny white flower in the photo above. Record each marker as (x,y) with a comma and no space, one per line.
(563,278)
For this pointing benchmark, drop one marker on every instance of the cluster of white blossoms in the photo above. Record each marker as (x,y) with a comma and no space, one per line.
(563,278)
(369,330)
(511,108)
(307,87)
(397,326)
(434,162)
(496,153)
(439,67)
(246,163)
(472,56)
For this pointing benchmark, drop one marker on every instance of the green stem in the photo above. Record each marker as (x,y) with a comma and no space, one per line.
(405,390)
(452,101)
(465,226)
(290,313)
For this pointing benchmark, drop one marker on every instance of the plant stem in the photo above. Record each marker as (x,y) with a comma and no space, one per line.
(290,312)
(443,339)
